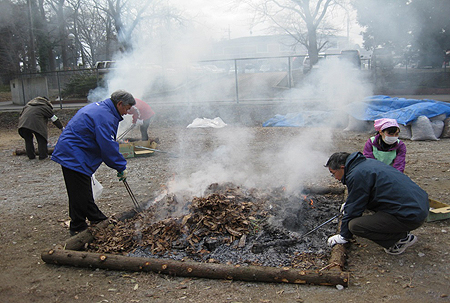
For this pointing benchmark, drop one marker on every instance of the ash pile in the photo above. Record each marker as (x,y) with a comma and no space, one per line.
(229,224)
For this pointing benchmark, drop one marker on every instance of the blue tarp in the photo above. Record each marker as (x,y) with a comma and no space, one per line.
(401,109)
(370,109)
(306,118)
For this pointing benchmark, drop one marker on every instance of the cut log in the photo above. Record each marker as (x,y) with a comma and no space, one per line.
(338,256)
(22,151)
(319,190)
(196,269)
(79,241)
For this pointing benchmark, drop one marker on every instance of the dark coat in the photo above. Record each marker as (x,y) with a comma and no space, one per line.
(35,116)
(376,186)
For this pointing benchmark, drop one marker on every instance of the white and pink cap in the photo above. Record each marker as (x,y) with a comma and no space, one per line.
(382,124)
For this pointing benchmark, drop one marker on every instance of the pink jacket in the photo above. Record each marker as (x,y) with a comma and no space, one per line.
(141,111)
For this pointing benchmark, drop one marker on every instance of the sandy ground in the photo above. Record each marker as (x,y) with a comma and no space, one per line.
(34,212)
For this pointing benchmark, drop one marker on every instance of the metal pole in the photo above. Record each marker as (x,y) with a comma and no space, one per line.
(133,198)
(23,89)
(236,80)
(59,90)
(317,227)
(289,72)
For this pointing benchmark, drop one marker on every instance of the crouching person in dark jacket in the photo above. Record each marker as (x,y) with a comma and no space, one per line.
(88,140)
(33,121)
(399,204)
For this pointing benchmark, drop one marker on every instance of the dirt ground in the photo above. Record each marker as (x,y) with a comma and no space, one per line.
(34,212)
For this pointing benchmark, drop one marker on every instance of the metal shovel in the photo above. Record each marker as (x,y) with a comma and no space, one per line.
(125,132)
(157,150)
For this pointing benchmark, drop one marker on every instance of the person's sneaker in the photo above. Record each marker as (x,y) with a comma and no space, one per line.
(401,245)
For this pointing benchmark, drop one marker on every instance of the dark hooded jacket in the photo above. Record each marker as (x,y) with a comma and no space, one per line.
(35,116)
(376,186)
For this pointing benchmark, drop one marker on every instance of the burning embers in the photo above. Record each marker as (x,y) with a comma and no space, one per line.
(225,225)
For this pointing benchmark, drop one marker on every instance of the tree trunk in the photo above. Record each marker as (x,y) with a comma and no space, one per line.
(196,269)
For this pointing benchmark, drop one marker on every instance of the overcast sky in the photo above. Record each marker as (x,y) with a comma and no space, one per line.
(220,21)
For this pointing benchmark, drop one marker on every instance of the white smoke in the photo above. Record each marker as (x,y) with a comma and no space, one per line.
(236,154)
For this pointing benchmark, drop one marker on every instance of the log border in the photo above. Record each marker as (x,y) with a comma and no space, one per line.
(71,254)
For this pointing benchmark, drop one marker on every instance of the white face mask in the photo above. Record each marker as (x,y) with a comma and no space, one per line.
(389,140)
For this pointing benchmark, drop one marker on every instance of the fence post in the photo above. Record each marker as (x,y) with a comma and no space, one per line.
(59,90)
(23,89)
(236,80)
(289,72)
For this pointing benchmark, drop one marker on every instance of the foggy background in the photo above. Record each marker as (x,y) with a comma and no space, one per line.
(174,52)
(294,161)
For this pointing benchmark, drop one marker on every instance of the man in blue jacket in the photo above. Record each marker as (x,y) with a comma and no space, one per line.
(399,204)
(88,140)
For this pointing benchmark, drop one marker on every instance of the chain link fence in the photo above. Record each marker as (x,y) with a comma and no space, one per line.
(231,80)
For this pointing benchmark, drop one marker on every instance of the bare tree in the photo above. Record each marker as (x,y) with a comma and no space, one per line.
(65,31)
(126,15)
(14,38)
(301,19)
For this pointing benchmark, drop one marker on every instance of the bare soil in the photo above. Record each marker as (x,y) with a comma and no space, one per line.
(34,215)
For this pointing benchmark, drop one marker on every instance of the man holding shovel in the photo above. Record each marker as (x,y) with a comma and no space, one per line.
(399,204)
(88,140)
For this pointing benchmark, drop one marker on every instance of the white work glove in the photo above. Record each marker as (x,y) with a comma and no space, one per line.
(336,239)
(341,210)
(139,122)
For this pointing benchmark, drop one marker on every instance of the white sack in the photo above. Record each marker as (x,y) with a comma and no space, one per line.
(405,132)
(97,187)
(438,127)
(205,122)
(422,129)
(446,130)
(361,126)
(440,117)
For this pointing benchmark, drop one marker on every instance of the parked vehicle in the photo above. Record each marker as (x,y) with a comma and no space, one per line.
(307,63)
(382,58)
(446,62)
(265,68)
(352,56)
(104,66)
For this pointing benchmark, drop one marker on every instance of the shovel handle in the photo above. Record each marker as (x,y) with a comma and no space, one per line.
(133,198)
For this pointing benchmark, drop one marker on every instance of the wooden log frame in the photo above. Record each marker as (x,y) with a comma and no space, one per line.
(22,151)
(70,254)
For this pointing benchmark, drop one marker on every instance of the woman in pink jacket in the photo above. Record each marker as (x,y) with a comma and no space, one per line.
(385,145)
(142,116)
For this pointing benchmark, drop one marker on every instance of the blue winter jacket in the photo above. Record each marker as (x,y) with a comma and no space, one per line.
(376,186)
(90,139)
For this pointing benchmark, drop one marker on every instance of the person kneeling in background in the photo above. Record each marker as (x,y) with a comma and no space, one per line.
(399,204)
(385,145)
(33,121)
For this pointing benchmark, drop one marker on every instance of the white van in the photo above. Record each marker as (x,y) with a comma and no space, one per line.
(307,63)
